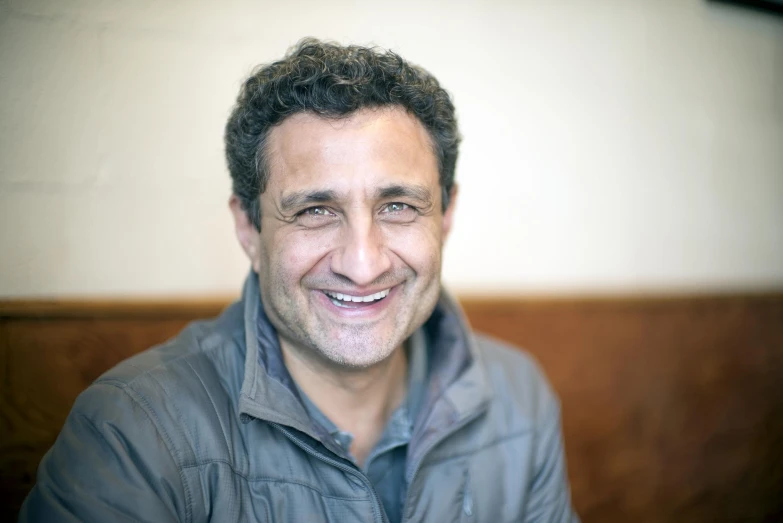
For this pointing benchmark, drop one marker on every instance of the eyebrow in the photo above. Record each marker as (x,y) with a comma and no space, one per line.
(297,200)
(416,192)
(302,198)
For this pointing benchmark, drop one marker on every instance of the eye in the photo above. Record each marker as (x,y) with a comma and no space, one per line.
(397,207)
(317,211)
(398,212)
(315,216)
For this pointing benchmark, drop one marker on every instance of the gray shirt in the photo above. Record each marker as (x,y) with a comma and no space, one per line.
(385,465)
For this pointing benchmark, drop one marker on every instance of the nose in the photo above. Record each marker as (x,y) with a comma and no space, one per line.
(362,256)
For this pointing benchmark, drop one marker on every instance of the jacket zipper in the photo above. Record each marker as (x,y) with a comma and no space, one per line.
(304,446)
(427,451)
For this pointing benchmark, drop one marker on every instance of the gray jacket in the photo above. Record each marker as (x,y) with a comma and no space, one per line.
(208,427)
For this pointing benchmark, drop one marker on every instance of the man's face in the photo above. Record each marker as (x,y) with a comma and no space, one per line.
(352,232)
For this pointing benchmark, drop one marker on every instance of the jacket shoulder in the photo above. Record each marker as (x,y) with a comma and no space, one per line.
(196,342)
(129,435)
(519,384)
(188,386)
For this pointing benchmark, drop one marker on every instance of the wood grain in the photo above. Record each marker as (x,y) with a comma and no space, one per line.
(672,406)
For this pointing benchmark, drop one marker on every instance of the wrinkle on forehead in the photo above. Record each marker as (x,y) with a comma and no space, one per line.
(383,142)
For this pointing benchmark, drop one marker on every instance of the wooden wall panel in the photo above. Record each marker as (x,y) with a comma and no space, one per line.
(44,365)
(673,408)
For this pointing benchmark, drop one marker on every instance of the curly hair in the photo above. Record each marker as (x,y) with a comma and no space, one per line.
(332,81)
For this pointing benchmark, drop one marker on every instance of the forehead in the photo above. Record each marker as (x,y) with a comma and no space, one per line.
(368,148)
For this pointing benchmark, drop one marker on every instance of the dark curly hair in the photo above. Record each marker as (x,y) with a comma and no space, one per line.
(332,81)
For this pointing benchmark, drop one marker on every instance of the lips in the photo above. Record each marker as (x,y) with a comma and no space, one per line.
(350,301)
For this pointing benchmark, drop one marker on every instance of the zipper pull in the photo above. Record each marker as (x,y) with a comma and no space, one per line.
(467,498)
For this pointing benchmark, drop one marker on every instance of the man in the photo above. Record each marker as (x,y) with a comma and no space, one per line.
(345,385)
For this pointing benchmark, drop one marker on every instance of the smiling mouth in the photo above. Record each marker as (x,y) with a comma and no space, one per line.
(353,302)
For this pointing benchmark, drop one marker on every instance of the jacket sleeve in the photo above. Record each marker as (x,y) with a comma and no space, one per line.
(550,498)
(109,463)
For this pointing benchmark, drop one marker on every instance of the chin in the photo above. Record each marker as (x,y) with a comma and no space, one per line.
(356,354)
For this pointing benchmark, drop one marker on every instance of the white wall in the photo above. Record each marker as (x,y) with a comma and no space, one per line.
(610,145)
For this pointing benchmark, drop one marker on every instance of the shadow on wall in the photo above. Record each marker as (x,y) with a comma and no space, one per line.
(767,6)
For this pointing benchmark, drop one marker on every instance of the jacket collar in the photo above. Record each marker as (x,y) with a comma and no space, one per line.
(268,390)
(458,387)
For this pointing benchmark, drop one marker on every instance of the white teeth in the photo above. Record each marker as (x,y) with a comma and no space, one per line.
(357,299)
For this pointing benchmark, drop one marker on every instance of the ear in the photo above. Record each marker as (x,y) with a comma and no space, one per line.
(448,214)
(249,238)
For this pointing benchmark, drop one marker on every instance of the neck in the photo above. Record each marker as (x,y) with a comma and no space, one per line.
(358,401)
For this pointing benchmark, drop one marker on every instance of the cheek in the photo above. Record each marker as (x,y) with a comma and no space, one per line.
(297,253)
(418,247)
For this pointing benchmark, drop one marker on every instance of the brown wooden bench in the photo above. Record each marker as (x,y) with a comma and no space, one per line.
(673,407)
